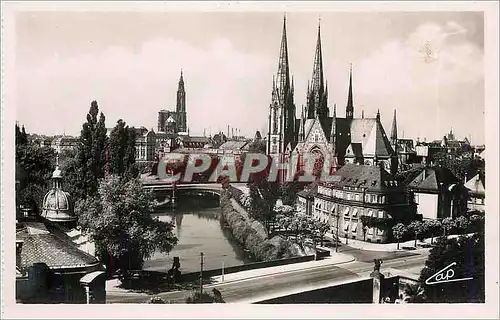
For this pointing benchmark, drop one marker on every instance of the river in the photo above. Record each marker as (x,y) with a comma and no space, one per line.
(198,228)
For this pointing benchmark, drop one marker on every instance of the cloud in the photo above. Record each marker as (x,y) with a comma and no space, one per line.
(421,76)
(223,86)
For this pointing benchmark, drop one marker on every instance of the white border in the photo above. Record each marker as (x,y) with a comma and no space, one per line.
(11,310)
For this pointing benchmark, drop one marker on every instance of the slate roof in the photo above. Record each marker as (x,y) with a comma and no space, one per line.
(41,245)
(373,178)
(233,145)
(476,184)
(310,191)
(430,179)
(194,139)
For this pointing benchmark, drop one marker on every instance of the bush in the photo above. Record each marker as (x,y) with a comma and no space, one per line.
(252,234)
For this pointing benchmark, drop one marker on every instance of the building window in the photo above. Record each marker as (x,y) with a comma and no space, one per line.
(367,198)
(379,232)
(381,214)
(370,213)
(357,197)
(370,231)
(346,225)
(354,226)
(374,199)
(346,212)
(355,212)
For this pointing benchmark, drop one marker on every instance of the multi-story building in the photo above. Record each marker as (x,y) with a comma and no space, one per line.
(436,192)
(64,143)
(145,144)
(362,190)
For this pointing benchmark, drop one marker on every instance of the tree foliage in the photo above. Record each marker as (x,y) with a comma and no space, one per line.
(36,165)
(118,220)
(462,166)
(468,254)
(122,150)
(91,152)
(399,231)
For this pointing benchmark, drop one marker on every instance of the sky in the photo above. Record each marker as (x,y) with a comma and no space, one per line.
(429,66)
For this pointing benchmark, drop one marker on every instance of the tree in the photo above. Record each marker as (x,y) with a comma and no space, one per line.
(399,232)
(432,227)
(468,254)
(37,163)
(416,228)
(91,152)
(122,150)
(289,192)
(463,224)
(21,136)
(415,293)
(447,224)
(321,229)
(118,219)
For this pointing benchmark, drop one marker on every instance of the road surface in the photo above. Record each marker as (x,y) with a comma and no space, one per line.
(254,289)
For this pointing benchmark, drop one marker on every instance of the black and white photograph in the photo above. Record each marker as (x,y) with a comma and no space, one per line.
(250,154)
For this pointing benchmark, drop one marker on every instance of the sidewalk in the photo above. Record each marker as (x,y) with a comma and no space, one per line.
(386,247)
(334,259)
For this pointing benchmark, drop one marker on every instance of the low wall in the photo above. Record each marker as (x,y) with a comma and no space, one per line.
(360,291)
(245,267)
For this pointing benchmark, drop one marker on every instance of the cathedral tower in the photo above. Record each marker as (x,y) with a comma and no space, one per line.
(181,106)
(282,108)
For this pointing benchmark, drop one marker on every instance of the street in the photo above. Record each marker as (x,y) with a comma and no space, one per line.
(255,288)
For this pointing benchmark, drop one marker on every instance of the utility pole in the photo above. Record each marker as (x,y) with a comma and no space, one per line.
(201,274)
(337,239)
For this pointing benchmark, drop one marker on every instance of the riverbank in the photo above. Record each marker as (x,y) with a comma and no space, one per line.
(252,235)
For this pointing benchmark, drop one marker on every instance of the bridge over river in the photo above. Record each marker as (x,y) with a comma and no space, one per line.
(196,217)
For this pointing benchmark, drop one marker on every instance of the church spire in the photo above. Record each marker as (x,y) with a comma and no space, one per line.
(316,97)
(283,81)
(317,78)
(181,82)
(349,111)
(394,130)
(333,132)
(181,106)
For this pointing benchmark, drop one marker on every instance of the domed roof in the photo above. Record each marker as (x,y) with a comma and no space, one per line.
(57,206)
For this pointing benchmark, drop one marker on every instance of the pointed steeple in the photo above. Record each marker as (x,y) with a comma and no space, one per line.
(349,110)
(394,130)
(317,78)
(378,114)
(283,81)
(181,83)
(333,132)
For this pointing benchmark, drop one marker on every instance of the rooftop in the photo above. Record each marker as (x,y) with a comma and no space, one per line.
(40,245)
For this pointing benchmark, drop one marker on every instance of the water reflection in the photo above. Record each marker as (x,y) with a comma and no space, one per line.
(198,228)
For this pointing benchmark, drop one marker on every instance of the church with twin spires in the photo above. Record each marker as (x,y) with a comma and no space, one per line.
(320,131)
